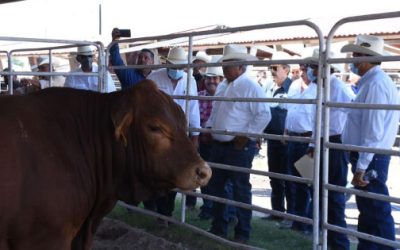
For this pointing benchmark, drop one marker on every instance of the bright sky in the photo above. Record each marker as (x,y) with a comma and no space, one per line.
(78,19)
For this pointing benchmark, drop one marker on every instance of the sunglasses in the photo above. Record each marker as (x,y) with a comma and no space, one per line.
(273,68)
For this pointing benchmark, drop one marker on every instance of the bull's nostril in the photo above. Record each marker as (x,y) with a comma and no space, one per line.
(201,173)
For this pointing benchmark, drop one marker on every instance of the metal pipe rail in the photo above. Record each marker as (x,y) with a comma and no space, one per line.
(193,228)
(362,149)
(316,101)
(241,99)
(362,193)
(268,136)
(364,236)
(326,63)
(69,44)
(247,206)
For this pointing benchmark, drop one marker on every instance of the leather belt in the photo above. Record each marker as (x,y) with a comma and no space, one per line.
(305,134)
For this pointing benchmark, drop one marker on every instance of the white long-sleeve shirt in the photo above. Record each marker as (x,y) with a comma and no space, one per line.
(160,77)
(89,82)
(339,92)
(371,127)
(247,117)
(301,117)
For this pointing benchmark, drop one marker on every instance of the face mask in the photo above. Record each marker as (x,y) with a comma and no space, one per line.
(354,69)
(86,63)
(310,75)
(175,74)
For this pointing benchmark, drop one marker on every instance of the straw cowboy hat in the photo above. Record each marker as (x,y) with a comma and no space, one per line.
(177,55)
(236,52)
(202,56)
(315,57)
(214,71)
(366,44)
(85,50)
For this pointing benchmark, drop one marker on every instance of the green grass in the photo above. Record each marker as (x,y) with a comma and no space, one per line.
(264,234)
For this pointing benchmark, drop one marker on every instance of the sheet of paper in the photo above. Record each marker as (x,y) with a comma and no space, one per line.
(305,166)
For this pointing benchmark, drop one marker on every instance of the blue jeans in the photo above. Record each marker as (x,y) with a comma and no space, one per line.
(337,175)
(375,216)
(227,154)
(277,163)
(302,206)
(205,151)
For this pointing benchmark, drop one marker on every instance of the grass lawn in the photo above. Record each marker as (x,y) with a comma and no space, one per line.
(265,234)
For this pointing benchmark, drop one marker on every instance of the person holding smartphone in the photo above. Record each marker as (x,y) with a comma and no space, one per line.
(129,77)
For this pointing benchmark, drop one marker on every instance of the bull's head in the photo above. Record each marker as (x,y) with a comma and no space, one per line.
(152,128)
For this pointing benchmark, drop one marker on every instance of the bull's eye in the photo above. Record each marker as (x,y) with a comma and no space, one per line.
(155,128)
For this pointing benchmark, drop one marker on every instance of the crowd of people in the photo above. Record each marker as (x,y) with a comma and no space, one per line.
(371,128)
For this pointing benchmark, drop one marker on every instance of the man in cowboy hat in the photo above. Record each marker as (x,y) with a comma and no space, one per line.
(338,159)
(173,81)
(277,150)
(129,77)
(245,117)
(198,71)
(372,128)
(85,57)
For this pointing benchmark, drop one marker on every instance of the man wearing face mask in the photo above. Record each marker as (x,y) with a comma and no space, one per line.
(173,81)
(85,58)
(300,121)
(372,128)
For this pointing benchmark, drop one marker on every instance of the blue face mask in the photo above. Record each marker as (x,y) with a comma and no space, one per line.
(175,74)
(310,75)
(354,69)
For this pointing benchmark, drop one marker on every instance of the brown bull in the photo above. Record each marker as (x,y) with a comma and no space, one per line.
(68,155)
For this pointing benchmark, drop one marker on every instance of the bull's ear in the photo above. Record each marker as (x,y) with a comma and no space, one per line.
(122,123)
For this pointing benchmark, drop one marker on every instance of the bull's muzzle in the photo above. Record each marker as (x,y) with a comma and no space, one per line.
(203,174)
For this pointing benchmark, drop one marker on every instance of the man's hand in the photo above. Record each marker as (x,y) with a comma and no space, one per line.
(240,142)
(115,34)
(310,152)
(358,179)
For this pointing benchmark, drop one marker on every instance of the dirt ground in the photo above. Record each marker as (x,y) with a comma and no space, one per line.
(116,235)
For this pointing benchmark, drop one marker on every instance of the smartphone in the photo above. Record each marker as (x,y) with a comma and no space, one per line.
(125,33)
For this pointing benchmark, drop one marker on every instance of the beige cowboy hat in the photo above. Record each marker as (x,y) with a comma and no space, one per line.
(177,55)
(236,52)
(366,44)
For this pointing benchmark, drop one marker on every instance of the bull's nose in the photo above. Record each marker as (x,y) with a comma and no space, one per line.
(203,173)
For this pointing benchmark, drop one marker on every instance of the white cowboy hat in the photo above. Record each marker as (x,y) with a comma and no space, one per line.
(214,71)
(177,55)
(236,52)
(366,44)
(43,61)
(315,57)
(85,50)
(202,56)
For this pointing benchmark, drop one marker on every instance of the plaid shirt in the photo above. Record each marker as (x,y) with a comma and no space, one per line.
(205,108)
